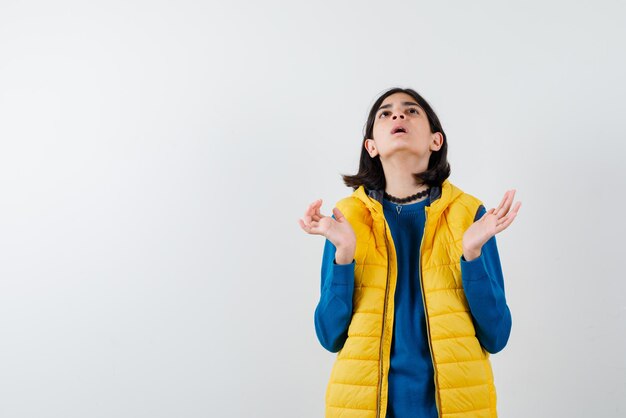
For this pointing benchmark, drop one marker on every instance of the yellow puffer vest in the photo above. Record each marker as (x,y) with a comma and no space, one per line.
(463,377)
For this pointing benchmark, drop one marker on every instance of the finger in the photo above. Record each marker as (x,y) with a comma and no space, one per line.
(502,201)
(504,225)
(510,213)
(310,211)
(509,202)
(506,203)
(503,220)
(317,208)
(516,208)
(306,225)
(312,207)
(317,215)
(303,225)
(500,210)
(309,229)
(508,219)
(513,212)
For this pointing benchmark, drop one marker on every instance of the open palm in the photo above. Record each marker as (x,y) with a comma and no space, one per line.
(492,222)
(338,230)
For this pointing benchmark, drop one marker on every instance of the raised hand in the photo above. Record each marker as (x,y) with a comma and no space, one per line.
(338,230)
(492,222)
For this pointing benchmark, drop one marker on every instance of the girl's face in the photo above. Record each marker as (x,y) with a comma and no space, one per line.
(401,127)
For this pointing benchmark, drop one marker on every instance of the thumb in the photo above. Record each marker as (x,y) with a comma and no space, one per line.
(338,215)
(489,212)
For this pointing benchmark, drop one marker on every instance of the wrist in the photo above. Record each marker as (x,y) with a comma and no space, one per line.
(346,246)
(344,255)
(471,253)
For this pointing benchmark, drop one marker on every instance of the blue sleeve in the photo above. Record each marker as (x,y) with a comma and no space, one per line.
(484,289)
(334,310)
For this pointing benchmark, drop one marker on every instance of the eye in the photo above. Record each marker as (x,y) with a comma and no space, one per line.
(414,111)
(384,113)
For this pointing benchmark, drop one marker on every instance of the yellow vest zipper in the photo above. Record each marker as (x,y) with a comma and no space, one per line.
(426,320)
(382,333)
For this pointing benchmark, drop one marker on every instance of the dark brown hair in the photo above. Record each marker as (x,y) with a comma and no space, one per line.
(371,174)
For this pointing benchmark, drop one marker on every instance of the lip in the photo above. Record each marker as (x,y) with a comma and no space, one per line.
(397,127)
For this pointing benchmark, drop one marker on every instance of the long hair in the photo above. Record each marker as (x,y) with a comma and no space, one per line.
(371,174)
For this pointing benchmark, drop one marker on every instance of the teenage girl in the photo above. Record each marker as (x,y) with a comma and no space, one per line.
(412,292)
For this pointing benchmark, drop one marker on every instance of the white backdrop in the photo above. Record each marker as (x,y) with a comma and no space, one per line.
(155,157)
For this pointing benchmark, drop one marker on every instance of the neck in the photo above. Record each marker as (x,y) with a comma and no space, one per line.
(399,176)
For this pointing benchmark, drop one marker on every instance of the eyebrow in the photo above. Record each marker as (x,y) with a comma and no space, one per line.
(405,104)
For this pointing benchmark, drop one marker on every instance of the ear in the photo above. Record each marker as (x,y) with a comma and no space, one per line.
(437,141)
(370,146)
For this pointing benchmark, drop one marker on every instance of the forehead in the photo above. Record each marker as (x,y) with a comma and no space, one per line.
(398,99)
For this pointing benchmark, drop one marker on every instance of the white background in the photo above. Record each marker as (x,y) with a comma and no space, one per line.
(155,157)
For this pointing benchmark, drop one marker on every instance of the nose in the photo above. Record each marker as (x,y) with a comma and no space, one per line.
(395,116)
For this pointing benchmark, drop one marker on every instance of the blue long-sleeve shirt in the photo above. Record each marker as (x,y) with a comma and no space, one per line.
(411,384)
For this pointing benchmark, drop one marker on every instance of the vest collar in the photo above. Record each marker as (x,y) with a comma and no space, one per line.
(439,197)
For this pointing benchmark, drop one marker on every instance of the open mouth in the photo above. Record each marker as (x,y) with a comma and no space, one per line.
(398,130)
